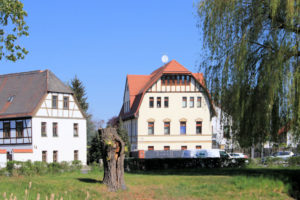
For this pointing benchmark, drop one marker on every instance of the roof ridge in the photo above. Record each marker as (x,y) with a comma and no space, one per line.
(21,73)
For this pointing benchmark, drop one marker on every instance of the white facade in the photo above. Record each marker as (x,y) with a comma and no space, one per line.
(2,159)
(174,114)
(67,140)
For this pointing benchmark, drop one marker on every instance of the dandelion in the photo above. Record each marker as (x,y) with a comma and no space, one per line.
(30,183)
(26,192)
(4,194)
(38,196)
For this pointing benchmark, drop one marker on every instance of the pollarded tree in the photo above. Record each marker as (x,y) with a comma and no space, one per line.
(13,26)
(252,66)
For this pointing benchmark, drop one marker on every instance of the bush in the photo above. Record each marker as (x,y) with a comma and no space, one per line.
(137,164)
(274,161)
(294,161)
(17,168)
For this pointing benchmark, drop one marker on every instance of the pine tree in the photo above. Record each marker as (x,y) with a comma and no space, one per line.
(80,93)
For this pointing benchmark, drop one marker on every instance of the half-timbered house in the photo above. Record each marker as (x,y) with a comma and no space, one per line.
(40,119)
(170,109)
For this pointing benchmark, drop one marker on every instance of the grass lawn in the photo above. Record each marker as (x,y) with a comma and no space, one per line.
(198,184)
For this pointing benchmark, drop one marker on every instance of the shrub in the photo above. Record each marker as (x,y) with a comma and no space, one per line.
(294,161)
(76,165)
(274,161)
(137,164)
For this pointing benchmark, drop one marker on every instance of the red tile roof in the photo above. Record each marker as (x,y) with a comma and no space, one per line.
(139,84)
(22,151)
(2,151)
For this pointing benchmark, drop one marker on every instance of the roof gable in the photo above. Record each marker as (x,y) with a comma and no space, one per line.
(139,84)
(21,93)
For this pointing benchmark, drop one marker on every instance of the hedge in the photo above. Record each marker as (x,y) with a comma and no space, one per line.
(139,164)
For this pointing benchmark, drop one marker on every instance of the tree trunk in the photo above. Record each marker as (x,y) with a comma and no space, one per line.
(112,147)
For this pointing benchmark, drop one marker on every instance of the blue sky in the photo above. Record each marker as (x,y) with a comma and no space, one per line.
(103,41)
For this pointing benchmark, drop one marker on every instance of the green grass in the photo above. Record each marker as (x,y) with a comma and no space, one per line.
(197,184)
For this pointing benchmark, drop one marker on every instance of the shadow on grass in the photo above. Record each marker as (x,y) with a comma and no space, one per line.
(288,176)
(89,180)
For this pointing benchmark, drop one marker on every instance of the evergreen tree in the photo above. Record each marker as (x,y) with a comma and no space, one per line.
(94,152)
(124,136)
(253,64)
(80,93)
(13,26)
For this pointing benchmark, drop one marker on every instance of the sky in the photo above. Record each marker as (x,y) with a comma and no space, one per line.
(103,41)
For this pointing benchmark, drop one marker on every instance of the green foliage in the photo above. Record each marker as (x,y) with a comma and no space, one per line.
(94,152)
(12,27)
(17,168)
(274,161)
(252,66)
(80,93)
(137,164)
(124,136)
(294,161)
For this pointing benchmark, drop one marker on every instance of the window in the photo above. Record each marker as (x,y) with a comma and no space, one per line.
(54,101)
(75,130)
(183,147)
(44,129)
(198,102)
(44,156)
(76,155)
(182,128)
(54,129)
(191,102)
(150,148)
(166,102)
(66,103)
(19,129)
(151,102)
(150,128)
(158,103)
(199,127)
(6,130)
(184,99)
(166,148)
(55,156)
(198,147)
(167,128)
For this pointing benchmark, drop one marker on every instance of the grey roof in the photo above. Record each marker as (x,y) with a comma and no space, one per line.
(21,93)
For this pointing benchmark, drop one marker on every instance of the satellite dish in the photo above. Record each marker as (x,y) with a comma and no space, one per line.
(164,59)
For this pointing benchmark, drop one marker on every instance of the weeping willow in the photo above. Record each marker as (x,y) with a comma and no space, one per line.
(252,64)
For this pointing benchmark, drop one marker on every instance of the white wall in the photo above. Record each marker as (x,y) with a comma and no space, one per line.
(174,113)
(65,143)
(2,160)
(23,157)
(47,111)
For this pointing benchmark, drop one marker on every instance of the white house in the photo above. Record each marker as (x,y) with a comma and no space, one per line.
(170,109)
(222,136)
(40,120)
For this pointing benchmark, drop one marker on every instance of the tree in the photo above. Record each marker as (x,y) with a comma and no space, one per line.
(94,152)
(80,93)
(112,122)
(112,147)
(13,26)
(124,135)
(252,64)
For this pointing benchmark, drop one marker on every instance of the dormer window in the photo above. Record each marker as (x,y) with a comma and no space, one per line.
(11,98)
